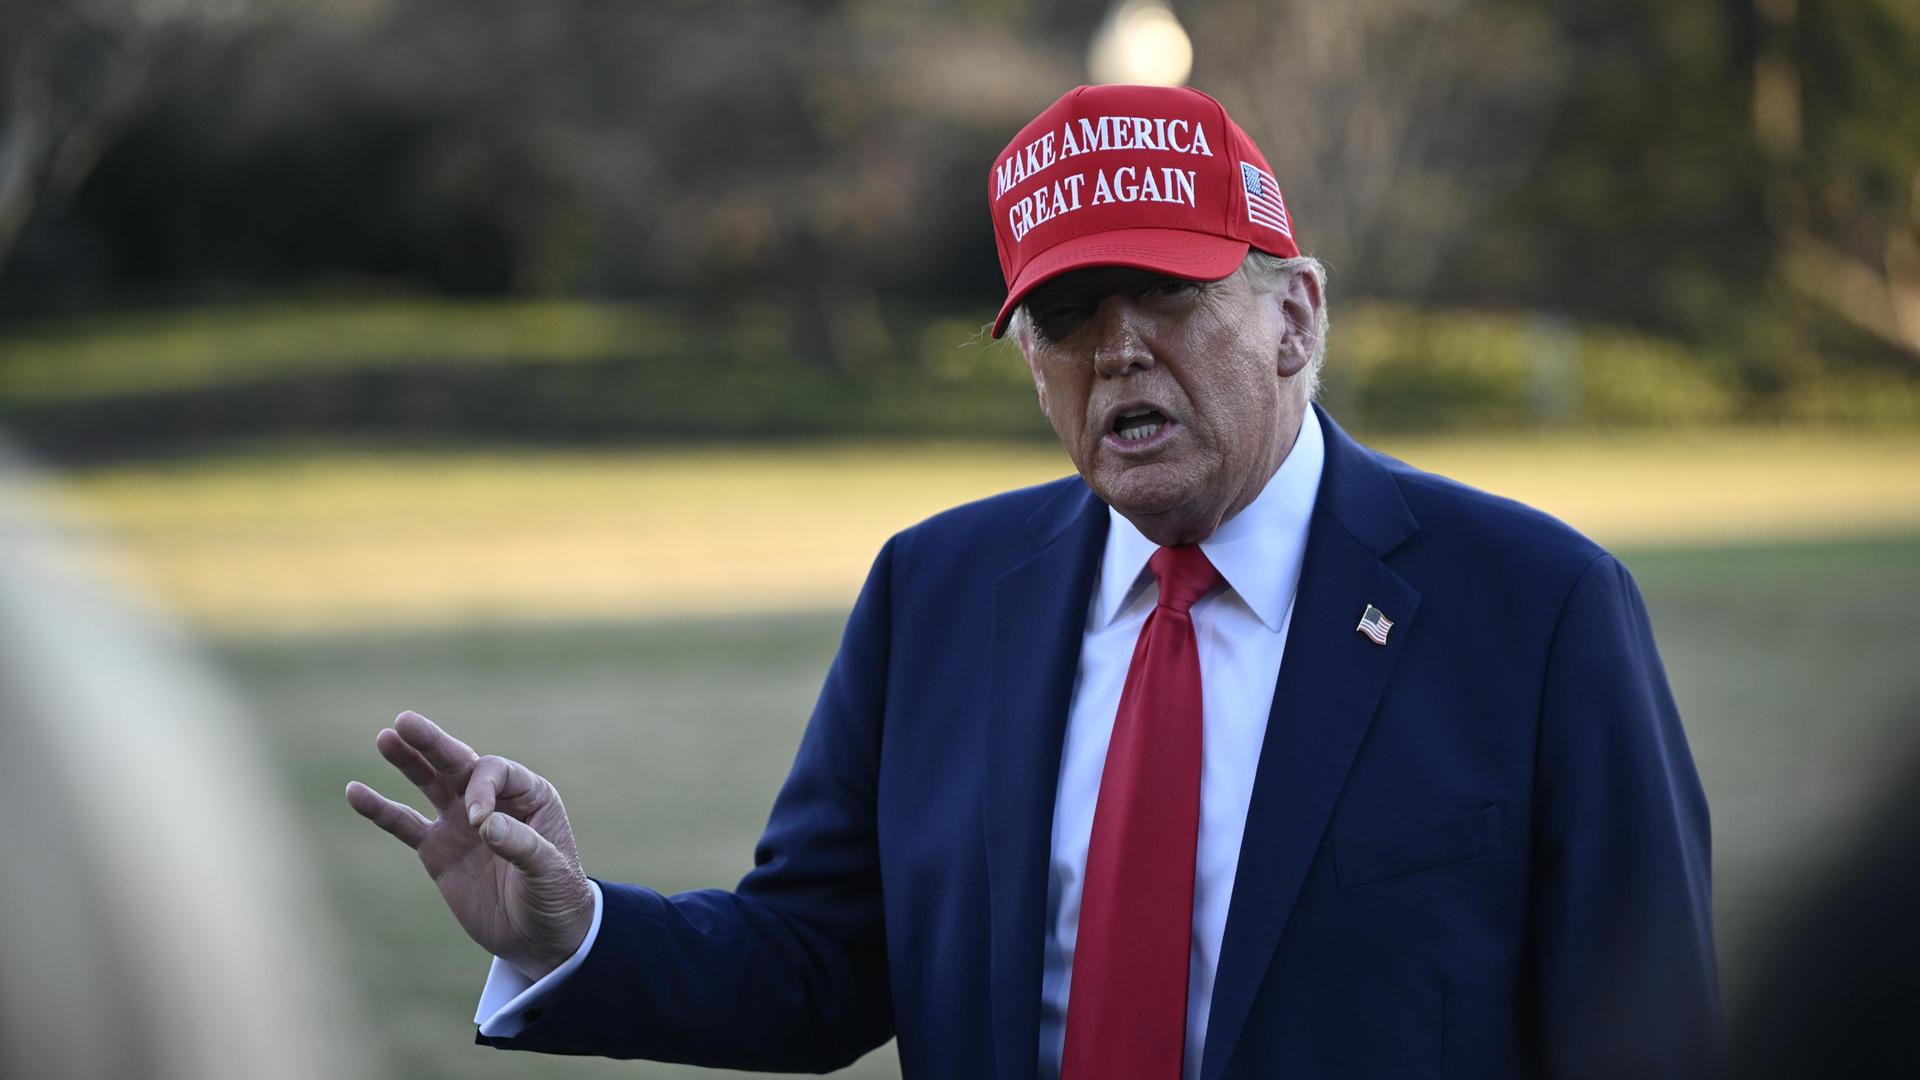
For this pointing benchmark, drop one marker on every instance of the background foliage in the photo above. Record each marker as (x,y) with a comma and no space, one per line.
(1627,211)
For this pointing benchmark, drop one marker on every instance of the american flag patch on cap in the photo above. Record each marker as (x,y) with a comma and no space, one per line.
(1264,204)
(1375,625)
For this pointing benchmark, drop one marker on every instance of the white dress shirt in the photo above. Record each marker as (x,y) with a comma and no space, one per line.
(1241,629)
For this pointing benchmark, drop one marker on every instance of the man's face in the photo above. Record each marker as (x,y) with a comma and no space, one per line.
(1175,399)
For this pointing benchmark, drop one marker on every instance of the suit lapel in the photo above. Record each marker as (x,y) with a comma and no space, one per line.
(1331,680)
(1040,611)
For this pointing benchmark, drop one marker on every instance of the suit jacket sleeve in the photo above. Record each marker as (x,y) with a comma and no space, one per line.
(1624,938)
(788,972)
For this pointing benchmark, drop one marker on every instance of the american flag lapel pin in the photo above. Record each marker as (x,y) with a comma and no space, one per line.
(1375,625)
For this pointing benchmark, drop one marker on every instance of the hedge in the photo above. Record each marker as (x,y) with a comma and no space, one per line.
(578,371)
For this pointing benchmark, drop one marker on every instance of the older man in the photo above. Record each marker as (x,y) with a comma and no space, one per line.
(1247,752)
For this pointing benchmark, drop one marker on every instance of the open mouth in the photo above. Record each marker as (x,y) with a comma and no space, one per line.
(1140,427)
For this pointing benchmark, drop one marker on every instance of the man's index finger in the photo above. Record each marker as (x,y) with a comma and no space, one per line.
(449,757)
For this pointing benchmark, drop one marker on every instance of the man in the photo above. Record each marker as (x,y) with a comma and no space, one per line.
(1246,752)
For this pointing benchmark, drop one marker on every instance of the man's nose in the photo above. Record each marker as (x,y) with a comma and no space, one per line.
(1119,344)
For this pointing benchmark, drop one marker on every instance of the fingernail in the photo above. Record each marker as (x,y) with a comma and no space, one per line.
(496,828)
(473,813)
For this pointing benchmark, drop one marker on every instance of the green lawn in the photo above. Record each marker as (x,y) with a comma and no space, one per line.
(1793,664)
(304,540)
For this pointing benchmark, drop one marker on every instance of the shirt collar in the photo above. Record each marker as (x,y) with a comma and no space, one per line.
(1258,550)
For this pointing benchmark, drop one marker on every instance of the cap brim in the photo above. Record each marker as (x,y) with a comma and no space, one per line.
(1192,255)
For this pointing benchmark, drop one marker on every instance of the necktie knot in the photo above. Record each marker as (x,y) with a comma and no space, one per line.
(1185,575)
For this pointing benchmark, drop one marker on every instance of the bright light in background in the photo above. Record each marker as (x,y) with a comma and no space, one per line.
(1140,41)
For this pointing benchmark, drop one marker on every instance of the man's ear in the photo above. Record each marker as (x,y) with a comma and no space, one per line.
(1300,311)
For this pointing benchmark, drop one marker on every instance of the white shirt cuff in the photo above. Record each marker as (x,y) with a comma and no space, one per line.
(508,995)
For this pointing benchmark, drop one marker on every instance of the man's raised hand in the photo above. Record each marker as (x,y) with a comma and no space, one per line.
(499,848)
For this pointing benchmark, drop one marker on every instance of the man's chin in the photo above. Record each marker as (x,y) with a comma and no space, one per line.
(1140,489)
(1151,496)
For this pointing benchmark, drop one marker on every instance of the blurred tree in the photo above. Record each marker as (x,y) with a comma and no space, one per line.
(1394,125)
(1737,173)
(78,74)
(1835,87)
(806,158)
(1645,207)
(1744,173)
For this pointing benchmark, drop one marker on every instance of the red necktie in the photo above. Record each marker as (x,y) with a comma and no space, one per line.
(1127,1007)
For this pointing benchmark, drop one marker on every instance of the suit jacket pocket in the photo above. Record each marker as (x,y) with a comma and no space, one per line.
(1426,847)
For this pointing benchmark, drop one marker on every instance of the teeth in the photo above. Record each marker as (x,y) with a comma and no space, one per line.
(1145,431)
(1134,412)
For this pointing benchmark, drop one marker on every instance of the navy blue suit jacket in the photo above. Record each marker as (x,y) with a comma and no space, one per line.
(1480,850)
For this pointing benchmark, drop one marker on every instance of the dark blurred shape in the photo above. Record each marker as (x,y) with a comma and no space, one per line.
(159,920)
(1840,988)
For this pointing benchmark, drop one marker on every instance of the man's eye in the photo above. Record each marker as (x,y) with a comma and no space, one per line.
(1059,322)
(1170,287)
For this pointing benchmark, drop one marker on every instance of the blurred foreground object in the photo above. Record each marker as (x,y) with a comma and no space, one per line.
(1839,987)
(157,920)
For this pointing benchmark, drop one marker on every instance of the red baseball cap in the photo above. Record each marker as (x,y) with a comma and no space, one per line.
(1153,177)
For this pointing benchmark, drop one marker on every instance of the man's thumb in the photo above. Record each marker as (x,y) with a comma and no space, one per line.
(518,843)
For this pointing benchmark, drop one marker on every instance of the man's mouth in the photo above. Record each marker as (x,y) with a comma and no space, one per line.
(1139,428)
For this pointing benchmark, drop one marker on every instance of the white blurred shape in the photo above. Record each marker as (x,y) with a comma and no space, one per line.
(159,917)
(1140,41)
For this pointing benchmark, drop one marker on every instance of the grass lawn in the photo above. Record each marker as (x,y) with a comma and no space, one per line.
(342,541)
(1792,662)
